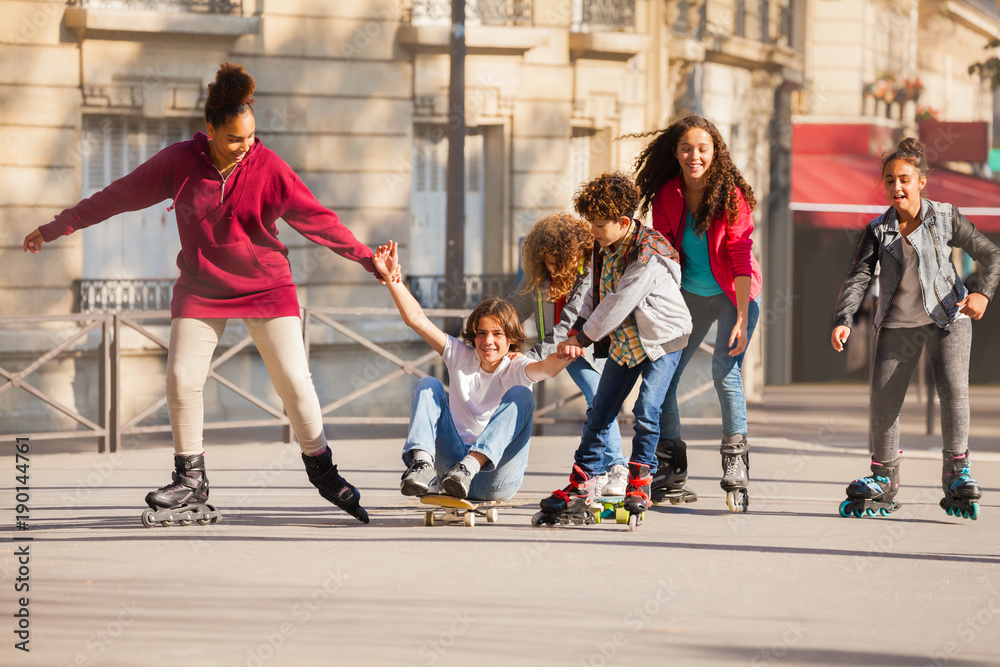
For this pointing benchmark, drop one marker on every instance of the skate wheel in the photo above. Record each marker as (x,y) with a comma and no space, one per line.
(185,522)
(536,519)
(870,511)
(858,512)
(621,515)
(975,511)
(676,501)
(147,518)
(492,515)
(469,519)
(166,523)
(216,519)
(429,518)
(844,512)
(885,511)
(203,522)
(633,522)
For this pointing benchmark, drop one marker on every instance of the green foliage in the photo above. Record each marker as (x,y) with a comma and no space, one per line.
(989,69)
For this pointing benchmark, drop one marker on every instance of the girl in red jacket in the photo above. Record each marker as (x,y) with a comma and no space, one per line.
(702,205)
(228,191)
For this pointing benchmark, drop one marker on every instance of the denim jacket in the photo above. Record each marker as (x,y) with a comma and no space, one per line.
(942,227)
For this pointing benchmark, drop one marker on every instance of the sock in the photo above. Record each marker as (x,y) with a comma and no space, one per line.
(421,455)
(325,447)
(471,464)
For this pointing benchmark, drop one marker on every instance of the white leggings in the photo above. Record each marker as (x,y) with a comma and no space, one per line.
(279,341)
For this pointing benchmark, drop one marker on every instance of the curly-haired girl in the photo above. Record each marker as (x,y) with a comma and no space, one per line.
(702,205)
(556,256)
(228,190)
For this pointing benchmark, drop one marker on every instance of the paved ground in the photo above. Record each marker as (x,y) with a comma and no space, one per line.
(288,580)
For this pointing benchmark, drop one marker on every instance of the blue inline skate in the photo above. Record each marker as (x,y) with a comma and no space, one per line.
(873,496)
(961,492)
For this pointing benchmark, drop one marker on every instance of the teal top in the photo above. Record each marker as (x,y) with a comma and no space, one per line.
(697,275)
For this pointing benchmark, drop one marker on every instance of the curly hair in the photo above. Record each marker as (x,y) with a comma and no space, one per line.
(565,237)
(230,95)
(911,152)
(610,196)
(495,306)
(657,164)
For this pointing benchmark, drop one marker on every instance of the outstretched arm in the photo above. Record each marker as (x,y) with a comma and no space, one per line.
(551,365)
(387,263)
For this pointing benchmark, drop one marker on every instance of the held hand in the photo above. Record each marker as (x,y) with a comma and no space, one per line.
(569,352)
(387,262)
(839,337)
(974,305)
(738,337)
(569,342)
(33,242)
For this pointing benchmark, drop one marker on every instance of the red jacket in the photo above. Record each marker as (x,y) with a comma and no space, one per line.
(729,247)
(231,261)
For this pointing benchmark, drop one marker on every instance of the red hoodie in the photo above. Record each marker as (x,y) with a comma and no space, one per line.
(729,246)
(232,263)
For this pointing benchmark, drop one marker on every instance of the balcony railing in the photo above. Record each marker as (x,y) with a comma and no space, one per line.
(116,296)
(483,12)
(201,6)
(603,15)
(431,291)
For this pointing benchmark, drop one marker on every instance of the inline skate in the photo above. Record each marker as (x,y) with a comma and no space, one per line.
(185,499)
(324,476)
(671,474)
(873,496)
(570,505)
(961,492)
(736,473)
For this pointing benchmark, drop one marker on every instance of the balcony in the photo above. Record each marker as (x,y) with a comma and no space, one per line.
(113,19)
(605,30)
(116,296)
(493,27)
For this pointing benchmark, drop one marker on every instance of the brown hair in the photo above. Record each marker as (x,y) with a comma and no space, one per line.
(610,196)
(911,152)
(657,164)
(230,95)
(504,312)
(565,237)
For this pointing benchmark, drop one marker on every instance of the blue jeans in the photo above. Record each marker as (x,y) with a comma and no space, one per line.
(616,383)
(587,378)
(726,370)
(504,440)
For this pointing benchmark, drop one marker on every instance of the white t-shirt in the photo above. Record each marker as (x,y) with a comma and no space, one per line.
(474,394)
(907,309)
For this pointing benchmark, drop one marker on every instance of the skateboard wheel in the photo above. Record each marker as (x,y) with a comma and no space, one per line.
(633,522)
(621,515)
(147,518)
(429,518)
(492,516)
(469,519)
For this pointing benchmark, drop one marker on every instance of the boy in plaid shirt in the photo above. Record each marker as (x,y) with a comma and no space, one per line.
(635,315)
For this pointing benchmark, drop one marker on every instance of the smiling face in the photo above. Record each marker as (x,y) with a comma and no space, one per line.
(694,152)
(231,141)
(491,343)
(903,184)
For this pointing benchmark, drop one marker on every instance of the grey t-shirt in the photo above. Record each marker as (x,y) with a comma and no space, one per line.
(907,309)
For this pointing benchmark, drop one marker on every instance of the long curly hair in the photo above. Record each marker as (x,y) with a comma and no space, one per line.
(657,164)
(565,237)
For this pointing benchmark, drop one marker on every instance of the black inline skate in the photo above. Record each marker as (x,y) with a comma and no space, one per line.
(668,482)
(961,492)
(873,496)
(324,476)
(637,499)
(736,473)
(570,505)
(185,499)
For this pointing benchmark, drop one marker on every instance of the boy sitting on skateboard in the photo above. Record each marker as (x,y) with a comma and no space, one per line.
(635,315)
(475,437)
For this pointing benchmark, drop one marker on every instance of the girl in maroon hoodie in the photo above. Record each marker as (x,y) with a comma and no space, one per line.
(702,205)
(228,191)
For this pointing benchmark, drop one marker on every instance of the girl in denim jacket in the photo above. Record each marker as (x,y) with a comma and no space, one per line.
(924,303)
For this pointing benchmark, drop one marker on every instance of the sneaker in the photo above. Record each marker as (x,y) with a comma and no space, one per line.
(417,478)
(457,480)
(617,480)
(599,482)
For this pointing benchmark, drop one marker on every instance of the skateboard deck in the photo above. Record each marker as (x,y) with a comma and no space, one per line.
(450,507)
(609,507)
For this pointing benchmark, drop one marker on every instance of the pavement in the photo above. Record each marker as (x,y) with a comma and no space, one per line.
(287,579)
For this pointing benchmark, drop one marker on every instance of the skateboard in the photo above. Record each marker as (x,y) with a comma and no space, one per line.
(610,507)
(449,507)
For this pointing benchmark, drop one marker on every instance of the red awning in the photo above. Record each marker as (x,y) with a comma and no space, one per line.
(845,192)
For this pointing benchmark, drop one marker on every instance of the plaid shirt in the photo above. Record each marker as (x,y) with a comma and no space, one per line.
(626,350)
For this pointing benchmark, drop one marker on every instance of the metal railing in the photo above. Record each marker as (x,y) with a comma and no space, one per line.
(432,291)
(110,426)
(604,14)
(200,6)
(484,12)
(117,295)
